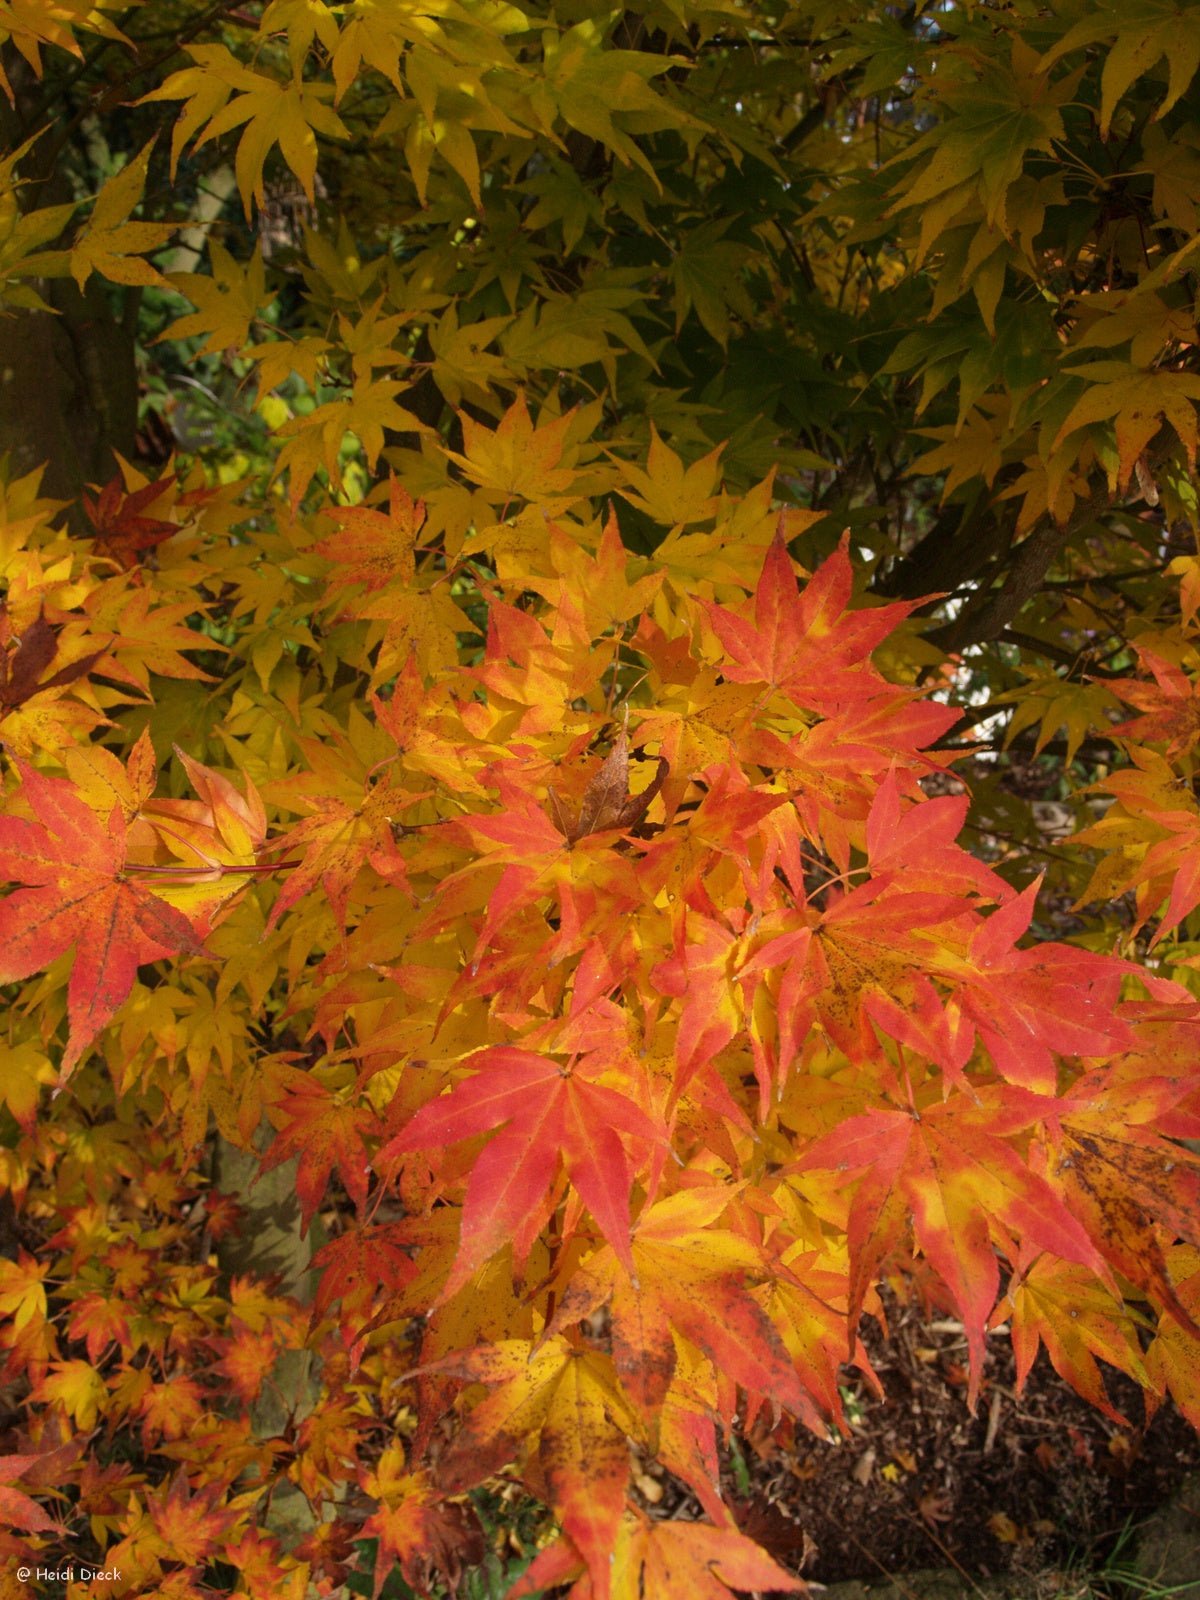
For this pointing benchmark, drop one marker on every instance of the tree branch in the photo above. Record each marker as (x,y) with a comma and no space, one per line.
(990,616)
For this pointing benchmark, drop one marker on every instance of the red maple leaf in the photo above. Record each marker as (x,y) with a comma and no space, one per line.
(17,1510)
(542,1112)
(355,1266)
(120,530)
(79,894)
(1029,1006)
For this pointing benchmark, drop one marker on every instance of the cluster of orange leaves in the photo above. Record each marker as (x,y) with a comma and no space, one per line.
(630,1010)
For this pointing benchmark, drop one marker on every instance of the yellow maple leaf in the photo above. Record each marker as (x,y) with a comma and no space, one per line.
(24,1068)
(222,94)
(78,1388)
(1139,34)
(976,449)
(315,440)
(20,235)
(22,1291)
(112,245)
(521,460)
(667,491)
(32,24)
(227,301)
(1137,402)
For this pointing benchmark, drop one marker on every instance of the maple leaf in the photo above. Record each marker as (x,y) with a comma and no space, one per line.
(568,1399)
(540,1114)
(99,1322)
(659,1560)
(1120,1176)
(77,1387)
(667,491)
(1055,703)
(247,1361)
(24,1068)
(951,1169)
(1029,1005)
(170,1410)
(706,275)
(203,849)
(1170,707)
(287,114)
(121,532)
(1066,1308)
(31,711)
(112,245)
(461,367)
(521,459)
(1138,34)
(868,957)
(22,1291)
(701,974)
(1172,1357)
(691,1276)
(598,585)
(920,842)
(351,825)
(260,1561)
(189,1524)
(143,635)
(23,230)
(17,1510)
(974,448)
(315,438)
(804,642)
(322,1132)
(1151,836)
(227,301)
(1137,403)
(21,668)
(417,1528)
(372,547)
(79,895)
(355,1266)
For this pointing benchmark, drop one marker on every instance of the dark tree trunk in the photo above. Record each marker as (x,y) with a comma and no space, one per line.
(68,388)
(68,376)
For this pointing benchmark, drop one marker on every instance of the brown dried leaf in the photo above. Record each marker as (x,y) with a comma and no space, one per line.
(606,794)
(607,802)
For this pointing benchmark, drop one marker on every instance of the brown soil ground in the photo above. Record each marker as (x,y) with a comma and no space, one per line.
(1029,1485)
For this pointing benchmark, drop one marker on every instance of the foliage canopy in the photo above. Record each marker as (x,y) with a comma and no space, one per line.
(521,527)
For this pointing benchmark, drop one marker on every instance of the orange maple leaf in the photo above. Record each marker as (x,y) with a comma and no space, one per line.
(950,1172)
(661,1557)
(323,1132)
(371,547)
(805,642)
(694,1277)
(79,895)
(1170,707)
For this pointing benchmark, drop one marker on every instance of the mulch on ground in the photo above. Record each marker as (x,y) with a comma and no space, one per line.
(1028,1485)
